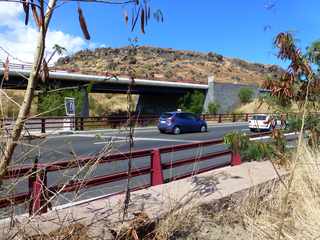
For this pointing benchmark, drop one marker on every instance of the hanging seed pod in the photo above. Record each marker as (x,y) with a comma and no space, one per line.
(149,12)
(137,2)
(142,21)
(132,17)
(44,74)
(25,4)
(146,13)
(126,18)
(36,16)
(6,70)
(135,20)
(83,24)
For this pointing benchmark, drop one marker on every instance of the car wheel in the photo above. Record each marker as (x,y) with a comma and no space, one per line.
(161,131)
(176,130)
(203,128)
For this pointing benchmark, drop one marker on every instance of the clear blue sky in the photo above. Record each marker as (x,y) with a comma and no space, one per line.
(234,28)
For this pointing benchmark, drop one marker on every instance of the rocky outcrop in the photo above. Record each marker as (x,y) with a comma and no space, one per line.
(169,65)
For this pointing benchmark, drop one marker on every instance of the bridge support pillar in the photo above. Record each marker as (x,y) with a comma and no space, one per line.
(85,103)
(210,94)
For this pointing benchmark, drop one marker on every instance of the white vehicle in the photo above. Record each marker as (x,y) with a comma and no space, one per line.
(260,122)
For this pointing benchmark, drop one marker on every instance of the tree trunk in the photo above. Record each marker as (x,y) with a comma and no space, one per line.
(32,83)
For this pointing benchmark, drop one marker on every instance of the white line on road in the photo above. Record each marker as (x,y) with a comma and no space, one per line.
(146,129)
(146,139)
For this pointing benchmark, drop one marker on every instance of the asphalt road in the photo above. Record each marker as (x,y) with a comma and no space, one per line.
(63,147)
(59,147)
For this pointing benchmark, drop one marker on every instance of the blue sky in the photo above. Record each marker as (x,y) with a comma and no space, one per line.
(234,28)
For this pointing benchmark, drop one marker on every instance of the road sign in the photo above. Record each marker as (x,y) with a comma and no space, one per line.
(70,106)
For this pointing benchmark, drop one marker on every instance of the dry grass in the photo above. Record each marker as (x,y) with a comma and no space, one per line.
(300,217)
(71,232)
(256,107)
(103,104)
(10,101)
(99,103)
(262,213)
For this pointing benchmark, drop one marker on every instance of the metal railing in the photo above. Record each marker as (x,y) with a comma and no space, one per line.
(40,193)
(47,124)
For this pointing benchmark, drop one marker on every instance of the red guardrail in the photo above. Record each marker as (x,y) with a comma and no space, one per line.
(39,192)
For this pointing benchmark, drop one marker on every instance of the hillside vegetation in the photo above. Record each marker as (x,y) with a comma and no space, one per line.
(168,64)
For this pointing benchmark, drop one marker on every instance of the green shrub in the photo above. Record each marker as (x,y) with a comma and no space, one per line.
(249,150)
(257,151)
(213,108)
(245,95)
(236,141)
(192,102)
(52,103)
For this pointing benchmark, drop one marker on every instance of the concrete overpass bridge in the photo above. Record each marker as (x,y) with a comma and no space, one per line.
(154,96)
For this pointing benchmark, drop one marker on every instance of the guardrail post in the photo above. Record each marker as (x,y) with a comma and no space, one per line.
(81,124)
(43,125)
(76,124)
(220,119)
(235,159)
(233,117)
(247,117)
(37,185)
(156,168)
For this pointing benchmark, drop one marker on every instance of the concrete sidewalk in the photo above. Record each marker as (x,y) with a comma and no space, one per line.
(206,188)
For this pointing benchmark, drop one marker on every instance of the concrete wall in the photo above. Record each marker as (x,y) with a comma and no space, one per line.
(226,94)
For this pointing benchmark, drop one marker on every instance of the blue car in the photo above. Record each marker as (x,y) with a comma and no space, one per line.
(178,122)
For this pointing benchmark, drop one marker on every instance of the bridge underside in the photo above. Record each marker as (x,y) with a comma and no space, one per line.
(20,83)
(157,104)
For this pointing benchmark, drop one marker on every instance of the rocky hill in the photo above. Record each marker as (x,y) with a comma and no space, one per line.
(168,64)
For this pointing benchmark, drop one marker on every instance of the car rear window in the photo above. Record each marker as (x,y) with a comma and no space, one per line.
(166,115)
(259,117)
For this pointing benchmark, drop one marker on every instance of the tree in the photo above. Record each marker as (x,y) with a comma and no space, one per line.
(245,95)
(299,83)
(192,102)
(42,13)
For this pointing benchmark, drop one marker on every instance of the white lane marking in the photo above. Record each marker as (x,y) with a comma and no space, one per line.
(111,141)
(245,130)
(267,137)
(146,139)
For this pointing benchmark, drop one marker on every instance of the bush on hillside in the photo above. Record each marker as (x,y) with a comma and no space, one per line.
(192,102)
(246,95)
(213,107)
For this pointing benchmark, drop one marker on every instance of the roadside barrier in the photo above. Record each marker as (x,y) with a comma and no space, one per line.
(40,194)
(47,124)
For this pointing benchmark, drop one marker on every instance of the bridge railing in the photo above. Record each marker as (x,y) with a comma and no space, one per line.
(159,168)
